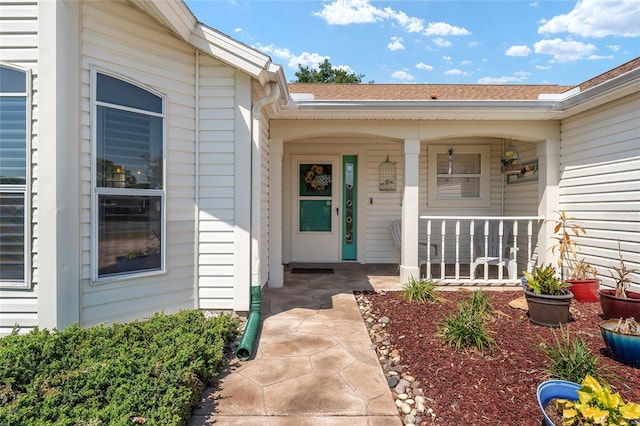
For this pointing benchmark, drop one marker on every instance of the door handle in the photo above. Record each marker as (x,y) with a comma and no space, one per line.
(337,211)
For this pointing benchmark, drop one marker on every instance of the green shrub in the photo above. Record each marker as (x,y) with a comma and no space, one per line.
(154,370)
(466,330)
(480,304)
(571,360)
(421,291)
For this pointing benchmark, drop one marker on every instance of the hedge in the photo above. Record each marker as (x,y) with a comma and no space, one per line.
(146,372)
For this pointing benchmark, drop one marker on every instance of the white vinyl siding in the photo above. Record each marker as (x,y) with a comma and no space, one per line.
(600,183)
(217,185)
(19,48)
(264,200)
(118,38)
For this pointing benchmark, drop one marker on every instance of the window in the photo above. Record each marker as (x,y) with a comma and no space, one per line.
(459,176)
(129,178)
(13,178)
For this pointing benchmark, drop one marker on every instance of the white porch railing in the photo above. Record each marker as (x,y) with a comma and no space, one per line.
(488,250)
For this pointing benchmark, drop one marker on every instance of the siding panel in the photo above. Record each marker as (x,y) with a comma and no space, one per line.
(600,165)
(18,47)
(121,39)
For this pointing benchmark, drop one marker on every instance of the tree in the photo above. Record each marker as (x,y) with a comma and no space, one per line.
(326,74)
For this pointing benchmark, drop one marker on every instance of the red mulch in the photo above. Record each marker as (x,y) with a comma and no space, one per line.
(496,389)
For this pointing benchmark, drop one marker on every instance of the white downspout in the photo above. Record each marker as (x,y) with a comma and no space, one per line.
(256,180)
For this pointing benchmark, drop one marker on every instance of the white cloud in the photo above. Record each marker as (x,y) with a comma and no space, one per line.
(237,30)
(423,66)
(518,51)
(446,58)
(344,12)
(402,75)
(564,51)
(440,42)
(444,29)
(517,77)
(455,72)
(614,47)
(597,19)
(474,44)
(534,4)
(345,68)
(274,50)
(465,62)
(543,67)
(311,60)
(410,23)
(395,44)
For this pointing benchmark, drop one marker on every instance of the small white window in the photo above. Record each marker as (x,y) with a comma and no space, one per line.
(14,211)
(129,178)
(459,176)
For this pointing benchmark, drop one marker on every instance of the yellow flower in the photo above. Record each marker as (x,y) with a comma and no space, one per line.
(308,179)
(314,184)
(317,169)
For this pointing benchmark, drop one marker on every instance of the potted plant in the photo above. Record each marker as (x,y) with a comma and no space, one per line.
(547,296)
(591,403)
(620,302)
(623,340)
(581,275)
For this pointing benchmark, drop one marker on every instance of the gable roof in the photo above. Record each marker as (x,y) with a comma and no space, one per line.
(416,92)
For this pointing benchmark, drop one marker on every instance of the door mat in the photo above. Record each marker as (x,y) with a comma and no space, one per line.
(312,271)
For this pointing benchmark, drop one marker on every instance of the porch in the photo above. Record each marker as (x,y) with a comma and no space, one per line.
(474,250)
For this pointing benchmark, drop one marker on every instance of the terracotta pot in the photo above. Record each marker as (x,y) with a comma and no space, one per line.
(616,307)
(549,310)
(624,347)
(585,291)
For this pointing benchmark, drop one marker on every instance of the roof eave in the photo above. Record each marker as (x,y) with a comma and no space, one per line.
(440,109)
(610,90)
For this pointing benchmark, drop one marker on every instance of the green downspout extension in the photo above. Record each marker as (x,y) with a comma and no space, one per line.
(245,347)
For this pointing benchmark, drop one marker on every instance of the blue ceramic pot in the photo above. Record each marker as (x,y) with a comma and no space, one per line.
(625,347)
(555,389)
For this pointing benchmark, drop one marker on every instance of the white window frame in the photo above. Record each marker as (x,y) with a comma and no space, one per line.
(97,191)
(23,189)
(485,176)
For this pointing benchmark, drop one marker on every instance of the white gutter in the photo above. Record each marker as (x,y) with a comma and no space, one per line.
(256,180)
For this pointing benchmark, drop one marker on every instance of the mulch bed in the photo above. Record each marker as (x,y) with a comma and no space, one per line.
(497,389)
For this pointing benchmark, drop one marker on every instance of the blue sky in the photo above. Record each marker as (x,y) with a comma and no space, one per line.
(437,41)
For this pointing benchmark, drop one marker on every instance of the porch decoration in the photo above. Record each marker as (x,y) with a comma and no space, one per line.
(387,175)
(510,160)
(547,297)
(316,178)
(528,172)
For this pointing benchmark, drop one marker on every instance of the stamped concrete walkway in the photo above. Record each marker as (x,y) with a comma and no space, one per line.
(313,363)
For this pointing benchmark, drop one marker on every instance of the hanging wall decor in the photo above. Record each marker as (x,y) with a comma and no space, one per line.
(510,160)
(528,173)
(387,175)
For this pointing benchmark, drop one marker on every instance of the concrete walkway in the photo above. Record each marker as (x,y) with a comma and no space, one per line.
(313,363)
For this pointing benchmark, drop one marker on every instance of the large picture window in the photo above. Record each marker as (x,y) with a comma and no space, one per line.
(129,178)
(459,176)
(13,177)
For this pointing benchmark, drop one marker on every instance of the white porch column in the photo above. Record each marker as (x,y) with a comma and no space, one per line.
(548,205)
(58,173)
(276,269)
(410,212)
